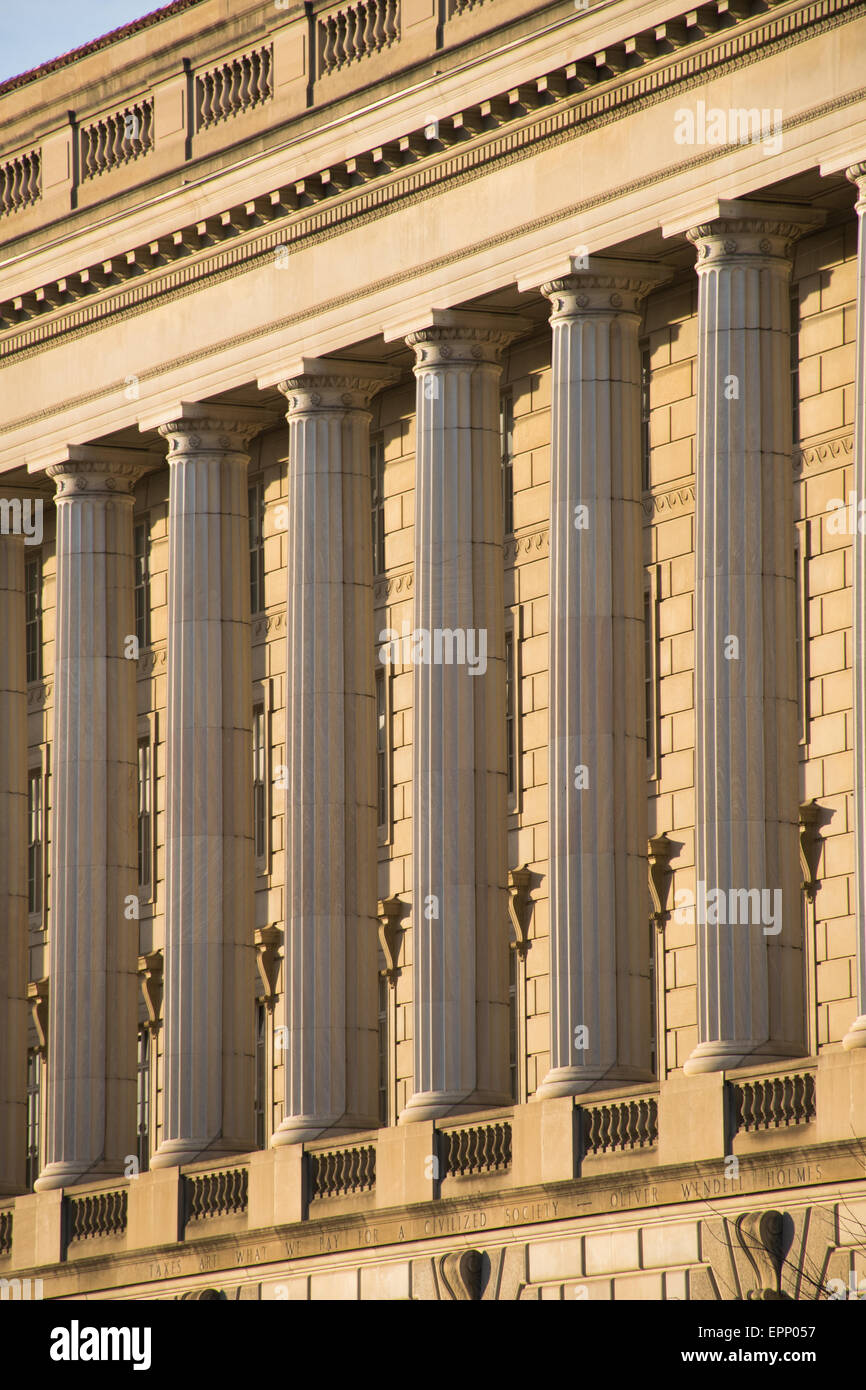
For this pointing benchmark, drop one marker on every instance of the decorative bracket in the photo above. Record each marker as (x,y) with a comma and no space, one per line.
(811,843)
(659,851)
(520,907)
(150,978)
(268,942)
(762,1238)
(37,993)
(389,912)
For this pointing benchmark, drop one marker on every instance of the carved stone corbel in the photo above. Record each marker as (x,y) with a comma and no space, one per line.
(150,979)
(462,1274)
(268,942)
(659,850)
(37,993)
(389,912)
(811,842)
(761,1235)
(520,907)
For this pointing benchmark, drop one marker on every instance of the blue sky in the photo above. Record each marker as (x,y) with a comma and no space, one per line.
(34,31)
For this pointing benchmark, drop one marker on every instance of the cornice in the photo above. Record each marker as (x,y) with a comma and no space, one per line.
(835,450)
(675,499)
(748,40)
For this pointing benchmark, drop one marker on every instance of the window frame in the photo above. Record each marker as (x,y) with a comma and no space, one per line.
(263,699)
(382,678)
(514,640)
(34,653)
(652,721)
(256,542)
(38,764)
(142,584)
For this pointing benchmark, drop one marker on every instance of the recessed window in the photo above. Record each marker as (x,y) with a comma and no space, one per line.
(795,364)
(645,414)
(35,840)
(260,1097)
(377,482)
(260,807)
(801,627)
(513,1022)
(510,720)
(142,1098)
(651,672)
(256,499)
(33,610)
(383,1048)
(34,1107)
(506,437)
(142,583)
(145,815)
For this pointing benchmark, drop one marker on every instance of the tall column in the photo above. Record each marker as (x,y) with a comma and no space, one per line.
(750,988)
(459,797)
(331,861)
(93,945)
(856,1035)
(208,1037)
(599,968)
(13,862)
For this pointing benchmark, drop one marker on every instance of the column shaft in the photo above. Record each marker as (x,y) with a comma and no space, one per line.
(856,1035)
(331,862)
(459,799)
(599,965)
(93,941)
(209,867)
(750,984)
(13,866)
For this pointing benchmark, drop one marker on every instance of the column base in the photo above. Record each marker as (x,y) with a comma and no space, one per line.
(434,1105)
(576,1081)
(303,1129)
(726,1054)
(856,1035)
(69,1173)
(174,1153)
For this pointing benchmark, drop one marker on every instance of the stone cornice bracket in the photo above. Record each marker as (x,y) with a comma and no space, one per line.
(659,851)
(458,338)
(37,993)
(520,907)
(330,383)
(268,942)
(150,967)
(857,174)
(96,471)
(598,285)
(764,1241)
(388,912)
(811,843)
(735,228)
(193,428)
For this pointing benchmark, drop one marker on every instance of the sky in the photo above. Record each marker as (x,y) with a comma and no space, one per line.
(34,31)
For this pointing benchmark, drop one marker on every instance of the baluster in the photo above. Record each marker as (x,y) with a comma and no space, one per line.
(392,23)
(340,45)
(352,50)
(267,59)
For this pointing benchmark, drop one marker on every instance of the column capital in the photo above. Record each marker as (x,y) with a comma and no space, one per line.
(93,470)
(457,337)
(856,173)
(197,428)
(737,228)
(603,287)
(332,384)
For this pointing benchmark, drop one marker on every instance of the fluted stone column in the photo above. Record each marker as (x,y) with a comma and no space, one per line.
(750,986)
(13,863)
(856,1035)
(459,798)
(93,942)
(208,1047)
(599,985)
(331,1080)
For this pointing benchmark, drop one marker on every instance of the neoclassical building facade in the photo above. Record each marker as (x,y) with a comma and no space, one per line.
(433,653)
